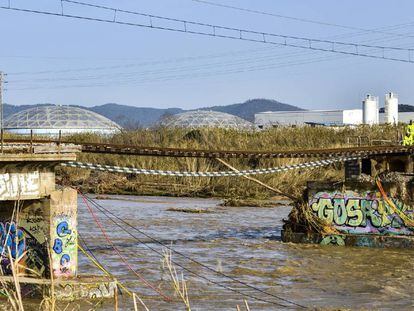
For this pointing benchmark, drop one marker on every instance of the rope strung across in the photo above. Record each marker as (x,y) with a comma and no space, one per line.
(118,252)
(271,170)
(122,224)
(93,259)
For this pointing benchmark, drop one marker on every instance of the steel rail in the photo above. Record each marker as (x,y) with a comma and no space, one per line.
(89,147)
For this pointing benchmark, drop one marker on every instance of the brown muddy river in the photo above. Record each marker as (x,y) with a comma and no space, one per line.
(244,243)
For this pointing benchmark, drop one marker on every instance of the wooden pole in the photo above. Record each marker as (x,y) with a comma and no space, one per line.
(2,139)
(60,140)
(116,297)
(258,181)
(31,141)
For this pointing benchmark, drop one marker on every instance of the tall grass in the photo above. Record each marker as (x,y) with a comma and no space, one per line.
(286,138)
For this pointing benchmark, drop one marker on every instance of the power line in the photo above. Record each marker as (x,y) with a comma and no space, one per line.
(141,64)
(178,60)
(232,65)
(143,79)
(129,78)
(299,19)
(182,59)
(178,69)
(236,33)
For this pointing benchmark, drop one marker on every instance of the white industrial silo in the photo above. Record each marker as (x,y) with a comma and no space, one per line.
(370,113)
(391,108)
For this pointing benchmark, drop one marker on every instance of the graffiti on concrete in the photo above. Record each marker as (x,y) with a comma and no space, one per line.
(360,213)
(24,238)
(87,290)
(12,243)
(14,185)
(334,239)
(33,223)
(64,247)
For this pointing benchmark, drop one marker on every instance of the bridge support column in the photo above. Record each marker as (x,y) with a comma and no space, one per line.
(352,170)
(38,230)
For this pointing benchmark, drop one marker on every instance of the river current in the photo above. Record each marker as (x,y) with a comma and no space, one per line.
(244,243)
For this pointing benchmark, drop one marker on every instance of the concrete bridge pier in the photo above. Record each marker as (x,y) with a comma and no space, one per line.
(38,229)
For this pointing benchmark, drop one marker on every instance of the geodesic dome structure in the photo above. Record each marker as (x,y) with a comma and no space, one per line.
(205,118)
(49,120)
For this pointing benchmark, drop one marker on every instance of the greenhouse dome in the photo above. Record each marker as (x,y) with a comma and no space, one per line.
(204,118)
(49,120)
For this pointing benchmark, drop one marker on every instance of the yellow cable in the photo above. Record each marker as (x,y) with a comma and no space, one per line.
(105,271)
(407,221)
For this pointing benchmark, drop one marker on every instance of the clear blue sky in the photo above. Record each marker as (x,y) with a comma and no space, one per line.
(153,68)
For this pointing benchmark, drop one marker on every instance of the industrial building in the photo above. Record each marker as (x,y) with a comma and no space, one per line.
(308,117)
(369,114)
(205,118)
(50,120)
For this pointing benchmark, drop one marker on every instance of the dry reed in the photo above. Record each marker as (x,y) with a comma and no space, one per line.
(218,139)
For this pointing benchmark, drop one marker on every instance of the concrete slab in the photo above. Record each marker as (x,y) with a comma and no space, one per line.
(35,157)
(85,287)
(360,240)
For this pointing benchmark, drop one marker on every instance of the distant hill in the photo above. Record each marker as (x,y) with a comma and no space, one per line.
(401,108)
(133,117)
(249,108)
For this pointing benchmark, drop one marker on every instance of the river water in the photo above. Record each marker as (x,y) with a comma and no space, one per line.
(244,243)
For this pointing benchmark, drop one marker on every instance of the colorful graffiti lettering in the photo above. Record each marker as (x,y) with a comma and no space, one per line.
(57,246)
(64,247)
(351,212)
(333,240)
(62,229)
(12,238)
(104,289)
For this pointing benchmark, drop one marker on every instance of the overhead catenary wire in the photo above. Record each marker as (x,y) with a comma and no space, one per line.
(247,60)
(191,58)
(125,79)
(237,33)
(146,79)
(106,212)
(300,19)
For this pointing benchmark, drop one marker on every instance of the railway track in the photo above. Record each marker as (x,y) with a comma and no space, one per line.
(225,154)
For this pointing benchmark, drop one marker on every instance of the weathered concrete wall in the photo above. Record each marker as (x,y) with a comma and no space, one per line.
(26,185)
(44,226)
(38,226)
(63,233)
(26,237)
(357,213)
(360,240)
(85,287)
(360,211)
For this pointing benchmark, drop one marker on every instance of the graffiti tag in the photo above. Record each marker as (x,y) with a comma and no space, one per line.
(64,246)
(12,238)
(370,212)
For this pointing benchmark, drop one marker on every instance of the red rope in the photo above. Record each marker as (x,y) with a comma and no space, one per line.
(166,298)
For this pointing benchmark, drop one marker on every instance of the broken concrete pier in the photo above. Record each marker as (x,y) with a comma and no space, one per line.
(373,207)
(38,225)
